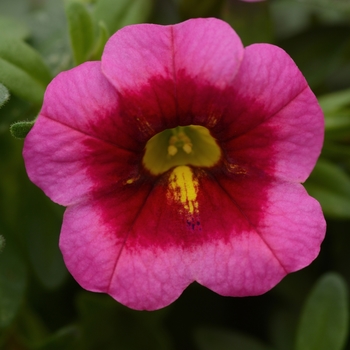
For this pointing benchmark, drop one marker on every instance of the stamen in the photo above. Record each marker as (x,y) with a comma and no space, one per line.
(187,148)
(179,140)
(172,150)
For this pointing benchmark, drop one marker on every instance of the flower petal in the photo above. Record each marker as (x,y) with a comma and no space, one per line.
(103,254)
(79,123)
(163,74)
(136,54)
(144,254)
(285,238)
(275,122)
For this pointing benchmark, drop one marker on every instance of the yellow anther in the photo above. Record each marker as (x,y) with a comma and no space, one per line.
(187,148)
(172,150)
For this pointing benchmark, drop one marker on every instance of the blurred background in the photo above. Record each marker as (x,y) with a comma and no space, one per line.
(42,307)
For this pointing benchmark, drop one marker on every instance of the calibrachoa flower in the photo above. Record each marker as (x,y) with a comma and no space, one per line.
(180,157)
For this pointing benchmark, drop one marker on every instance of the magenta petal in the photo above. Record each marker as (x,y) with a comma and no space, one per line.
(237,226)
(104,251)
(137,54)
(263,230)
(166,77)
(79,123)
(275,123)
(259,253)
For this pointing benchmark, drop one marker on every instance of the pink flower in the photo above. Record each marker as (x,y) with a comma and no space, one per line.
(216,199)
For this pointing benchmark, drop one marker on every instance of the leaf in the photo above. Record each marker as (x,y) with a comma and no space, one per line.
(4,95)
(337,125)
(107,324)
(334,101)
(339,5)
(319,52)
(65,338)
(20,130)
(22,70)
(324,320)
(101,42)
(240,15)
(198,8)
(282,328)
(81,31)
(219,339)
(117,14)
(13,28)
(2,243)
(289,17)
(330,185)
(13,278)
(42,234)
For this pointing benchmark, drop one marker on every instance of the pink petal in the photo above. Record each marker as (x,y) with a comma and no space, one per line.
(161,72)
(275,122)
(260,252)
(136,54)
(95,243)
(124,232)
(144,254)
(78,123)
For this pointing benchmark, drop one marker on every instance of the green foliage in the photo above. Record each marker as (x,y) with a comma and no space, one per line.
(334,102)
(319,52)
(117,14)
(13,277)
(324,320)
(218,339)
(22,70)
(4,95)
(107,325)
(41,238)
(330,185)
(20,130)
(103,36)
(240,15)
(2,243)
(81,31)
(66,338)
(42,308)
(13,28)
(199,8)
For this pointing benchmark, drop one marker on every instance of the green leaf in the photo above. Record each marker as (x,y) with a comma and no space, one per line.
(289,17)
(324,320)
(334,101)
(198,8)
(41,235)
(339,5)
(13,276)
(2,243)
(4,95)
(20,130)
(337,114)
(117,14)
(282,324)
(22,70)
(319,52)
(336,151)
(101,41)
(65,338)
(240,15)
(81,31)
(330,185)
(13,28)
(107,324)
(219,339)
